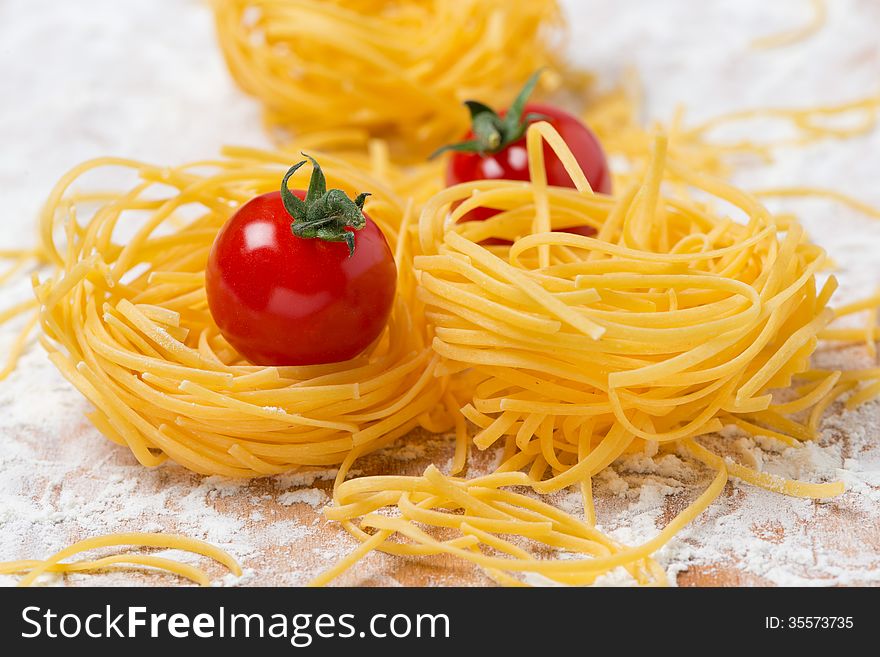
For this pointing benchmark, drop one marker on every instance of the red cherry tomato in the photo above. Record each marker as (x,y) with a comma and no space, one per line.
(512,162)
(280,299)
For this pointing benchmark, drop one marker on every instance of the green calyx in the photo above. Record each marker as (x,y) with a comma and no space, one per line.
(493,133)
(323,214)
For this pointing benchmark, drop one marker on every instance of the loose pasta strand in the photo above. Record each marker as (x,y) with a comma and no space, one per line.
(56,563)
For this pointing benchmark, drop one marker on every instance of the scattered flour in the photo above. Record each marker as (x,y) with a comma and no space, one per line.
(314,497)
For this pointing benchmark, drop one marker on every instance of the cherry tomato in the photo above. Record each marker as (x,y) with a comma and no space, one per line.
(495,149)
(512,163)
(280,299)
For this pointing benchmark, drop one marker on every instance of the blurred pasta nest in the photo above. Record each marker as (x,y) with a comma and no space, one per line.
(389,68)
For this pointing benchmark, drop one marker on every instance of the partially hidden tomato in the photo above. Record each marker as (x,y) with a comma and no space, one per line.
(495,149)
(301,277)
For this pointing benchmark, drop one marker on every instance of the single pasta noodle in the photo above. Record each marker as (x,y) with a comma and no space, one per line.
(817,20)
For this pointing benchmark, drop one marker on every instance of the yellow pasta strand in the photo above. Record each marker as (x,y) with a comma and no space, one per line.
(817,20)
(56,563)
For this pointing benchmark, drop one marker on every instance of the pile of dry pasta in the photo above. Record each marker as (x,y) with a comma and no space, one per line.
(687,309)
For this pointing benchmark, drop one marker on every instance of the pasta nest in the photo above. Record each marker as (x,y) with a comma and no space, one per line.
(672,321)
(124,317)
(388,68)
